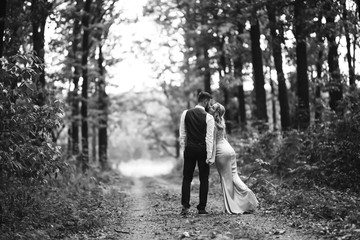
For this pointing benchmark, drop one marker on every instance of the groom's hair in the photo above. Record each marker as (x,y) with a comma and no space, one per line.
(204,96)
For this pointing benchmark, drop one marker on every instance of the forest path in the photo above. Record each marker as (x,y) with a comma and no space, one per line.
(152,207)
(138,220)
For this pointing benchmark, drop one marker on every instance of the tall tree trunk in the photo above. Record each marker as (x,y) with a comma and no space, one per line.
(319,63)
(205,51)
(222,74)
(103,118)
(3,8)
(276,47)
(39,10)
(273,99)
(238,66)
(354,56)
(75,108)
(318,104)
(259,82)
(177,143)
(94,138)
(348,46)
(84,90)
(16,12)
(187,69)
(241,101)
(303,110)
(207,73)
(335,91)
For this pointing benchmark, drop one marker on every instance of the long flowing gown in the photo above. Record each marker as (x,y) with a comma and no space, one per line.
(238,198)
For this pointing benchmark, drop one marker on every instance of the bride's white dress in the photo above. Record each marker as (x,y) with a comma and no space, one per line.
(238,198)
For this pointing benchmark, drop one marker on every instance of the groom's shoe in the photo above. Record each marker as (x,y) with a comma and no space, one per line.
(202,212)
(184,211)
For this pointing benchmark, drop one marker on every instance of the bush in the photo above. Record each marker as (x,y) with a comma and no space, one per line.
(28,156)
(326,154)
(27,152)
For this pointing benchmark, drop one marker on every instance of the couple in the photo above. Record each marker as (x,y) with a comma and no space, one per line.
(202,134)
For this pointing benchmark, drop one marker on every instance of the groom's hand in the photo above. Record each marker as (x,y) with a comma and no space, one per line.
(210,161)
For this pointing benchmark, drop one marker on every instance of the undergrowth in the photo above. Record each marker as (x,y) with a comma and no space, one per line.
(71,204)
(311,178)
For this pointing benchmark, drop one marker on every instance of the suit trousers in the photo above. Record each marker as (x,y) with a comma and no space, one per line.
(193,155)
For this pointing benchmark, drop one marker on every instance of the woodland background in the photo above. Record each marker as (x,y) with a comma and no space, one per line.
(286,70)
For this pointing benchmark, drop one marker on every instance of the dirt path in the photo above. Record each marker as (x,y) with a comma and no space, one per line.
(151,211)
(139,222)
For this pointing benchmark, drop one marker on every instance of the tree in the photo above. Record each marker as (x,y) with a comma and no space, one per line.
(238,67)
(103,116)
(259,82)
(204,60)
(335,86)
(3,7)
(303,111)
(276,40)
(348,45)
(319,68)
(84,89)
(74,95)
(39,13)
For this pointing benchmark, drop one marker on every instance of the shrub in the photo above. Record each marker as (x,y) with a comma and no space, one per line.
(26,149)
(327,153)
(28,156)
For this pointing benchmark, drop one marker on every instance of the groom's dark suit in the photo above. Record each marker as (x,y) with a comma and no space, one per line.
(196,135)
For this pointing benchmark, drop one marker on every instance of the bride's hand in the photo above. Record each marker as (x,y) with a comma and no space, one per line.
(210,161)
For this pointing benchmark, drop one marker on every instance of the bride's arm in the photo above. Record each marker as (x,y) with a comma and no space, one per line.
(212,159)
(224,124)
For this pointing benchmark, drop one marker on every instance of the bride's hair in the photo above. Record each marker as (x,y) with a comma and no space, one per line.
(219,112)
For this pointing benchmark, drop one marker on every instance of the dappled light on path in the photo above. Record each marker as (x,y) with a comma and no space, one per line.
(146,167)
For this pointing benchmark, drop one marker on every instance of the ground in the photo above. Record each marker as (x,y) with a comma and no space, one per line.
(151,210)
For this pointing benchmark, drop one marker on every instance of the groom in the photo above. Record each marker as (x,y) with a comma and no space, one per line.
(196,137)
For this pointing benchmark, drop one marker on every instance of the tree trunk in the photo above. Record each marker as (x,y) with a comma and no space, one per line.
(75,108)
(39,10)
(103,118)
(84,90)
(319,63)
(259,82)
(205,51)
(318,105)
(177,143)
(335,91)
(303,111)
(207,74)
(3,8)
(348,46)
(238,66)
(273,102)
(94,142)
(242,108)
(276,47)
(222,74)
(16,12)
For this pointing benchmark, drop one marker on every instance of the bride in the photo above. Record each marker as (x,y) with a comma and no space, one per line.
(238,198)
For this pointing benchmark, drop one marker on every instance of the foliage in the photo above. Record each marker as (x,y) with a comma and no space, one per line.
(309,177)
(27,151)
(326,212)
(28,155)
(66,206)
(327,154)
